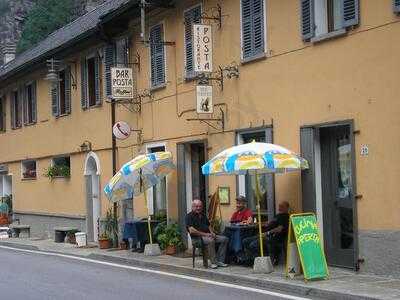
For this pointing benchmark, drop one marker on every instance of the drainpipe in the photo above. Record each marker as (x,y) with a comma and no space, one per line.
(114,158)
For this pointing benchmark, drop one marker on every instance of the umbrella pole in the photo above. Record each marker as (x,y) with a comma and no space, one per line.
(259,215)
(148,218)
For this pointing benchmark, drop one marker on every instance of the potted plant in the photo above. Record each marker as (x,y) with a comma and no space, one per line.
(57,171)
(170,239)
(104,241)
(110,226)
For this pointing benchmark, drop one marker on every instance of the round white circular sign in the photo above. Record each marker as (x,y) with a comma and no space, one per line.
(121,130)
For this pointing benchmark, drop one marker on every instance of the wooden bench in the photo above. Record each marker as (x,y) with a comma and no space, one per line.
(61,232)
(17,229)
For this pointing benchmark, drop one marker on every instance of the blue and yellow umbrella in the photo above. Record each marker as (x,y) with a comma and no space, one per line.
(255,158)
(138,175)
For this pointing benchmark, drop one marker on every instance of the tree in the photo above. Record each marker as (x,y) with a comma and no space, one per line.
(45,17)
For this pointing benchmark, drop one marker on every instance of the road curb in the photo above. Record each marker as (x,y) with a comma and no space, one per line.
(291,288)
(287,287)
(19,246)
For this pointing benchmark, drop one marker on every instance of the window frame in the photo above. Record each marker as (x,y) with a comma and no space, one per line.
(164,84)
(3,113)
(241,186)
(59,95)
(14,105)
(53,163)
(87,58)
(24,169)
(189,76)
(262,54)
(33,121)
(150,193)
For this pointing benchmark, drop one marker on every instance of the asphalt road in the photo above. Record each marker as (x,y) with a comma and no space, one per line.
(26,275)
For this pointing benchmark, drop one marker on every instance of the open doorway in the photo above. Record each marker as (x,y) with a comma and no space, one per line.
(329,188)
(93,204)
(192,184)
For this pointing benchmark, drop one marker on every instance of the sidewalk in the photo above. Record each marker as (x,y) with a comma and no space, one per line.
(342,284)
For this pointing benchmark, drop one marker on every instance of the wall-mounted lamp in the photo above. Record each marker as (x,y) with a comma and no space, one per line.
(86,146)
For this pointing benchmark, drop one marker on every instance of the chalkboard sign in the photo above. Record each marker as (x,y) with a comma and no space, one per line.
(305,229)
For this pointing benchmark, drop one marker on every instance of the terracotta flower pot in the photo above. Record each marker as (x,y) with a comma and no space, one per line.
(104,243)
(170,250)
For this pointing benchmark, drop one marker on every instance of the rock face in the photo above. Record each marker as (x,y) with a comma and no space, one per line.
(12,15)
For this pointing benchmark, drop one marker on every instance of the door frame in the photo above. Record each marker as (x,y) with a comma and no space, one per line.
(90,178)
(350,123)
(182,200)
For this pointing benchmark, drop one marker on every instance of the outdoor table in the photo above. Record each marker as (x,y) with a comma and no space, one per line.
(236,233)
(137,230)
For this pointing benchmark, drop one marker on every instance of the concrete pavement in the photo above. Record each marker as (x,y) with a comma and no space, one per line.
(343,284)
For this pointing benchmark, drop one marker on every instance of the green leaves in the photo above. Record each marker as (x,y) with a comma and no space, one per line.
(45,17)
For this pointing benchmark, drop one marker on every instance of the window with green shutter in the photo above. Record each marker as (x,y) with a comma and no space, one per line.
(30,103)
(109,62)
(61,94)
(253,31)
(90,82)
(157,56)
(327,18)
(191,16)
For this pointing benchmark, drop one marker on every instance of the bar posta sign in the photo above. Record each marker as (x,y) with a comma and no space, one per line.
(122,83)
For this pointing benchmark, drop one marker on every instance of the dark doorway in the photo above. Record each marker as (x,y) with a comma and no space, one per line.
(337,194)
(192,184)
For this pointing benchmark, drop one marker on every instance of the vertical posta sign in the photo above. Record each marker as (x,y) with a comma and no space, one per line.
(122,83)
(202,50)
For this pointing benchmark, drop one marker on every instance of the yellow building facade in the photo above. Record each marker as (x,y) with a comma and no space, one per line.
(318,77)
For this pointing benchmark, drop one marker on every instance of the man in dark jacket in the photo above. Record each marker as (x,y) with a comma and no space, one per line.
(275,233)
(198,226)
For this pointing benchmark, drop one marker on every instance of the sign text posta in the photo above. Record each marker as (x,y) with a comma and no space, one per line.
(122,83)
(202,50)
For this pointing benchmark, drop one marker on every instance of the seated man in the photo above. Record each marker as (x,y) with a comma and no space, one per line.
(199,226)
(242,215)
(274,236)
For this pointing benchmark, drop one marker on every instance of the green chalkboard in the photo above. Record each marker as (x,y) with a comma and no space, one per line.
(306,231)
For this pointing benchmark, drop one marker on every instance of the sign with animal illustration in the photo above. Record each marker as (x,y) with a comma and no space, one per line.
(204,99)
(202,49)
(122,83)
(304,229)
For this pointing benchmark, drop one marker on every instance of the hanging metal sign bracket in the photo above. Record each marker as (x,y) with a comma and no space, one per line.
(216,15)
(208,121)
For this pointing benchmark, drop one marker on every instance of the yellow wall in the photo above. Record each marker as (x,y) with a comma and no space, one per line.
(351,77)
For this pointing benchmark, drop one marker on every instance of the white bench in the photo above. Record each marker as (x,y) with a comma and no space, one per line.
(19,229)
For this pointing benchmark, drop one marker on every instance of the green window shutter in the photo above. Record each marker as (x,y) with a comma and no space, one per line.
(192,16)
(122,46)
(157,56)
(258,27)
(253,34)
(97,80)
(307,19)
(109,57)
(247,28)
(84,84)
(34,102)
(55,104)
(350,12)
(396,6)
(67,86)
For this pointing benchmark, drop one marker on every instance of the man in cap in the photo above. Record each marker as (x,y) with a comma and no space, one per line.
(242,215)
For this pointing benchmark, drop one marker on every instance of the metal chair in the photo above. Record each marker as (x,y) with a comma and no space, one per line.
(198,243)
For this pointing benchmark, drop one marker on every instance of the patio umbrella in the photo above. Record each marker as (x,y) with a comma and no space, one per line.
(138,175)
(254,159)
